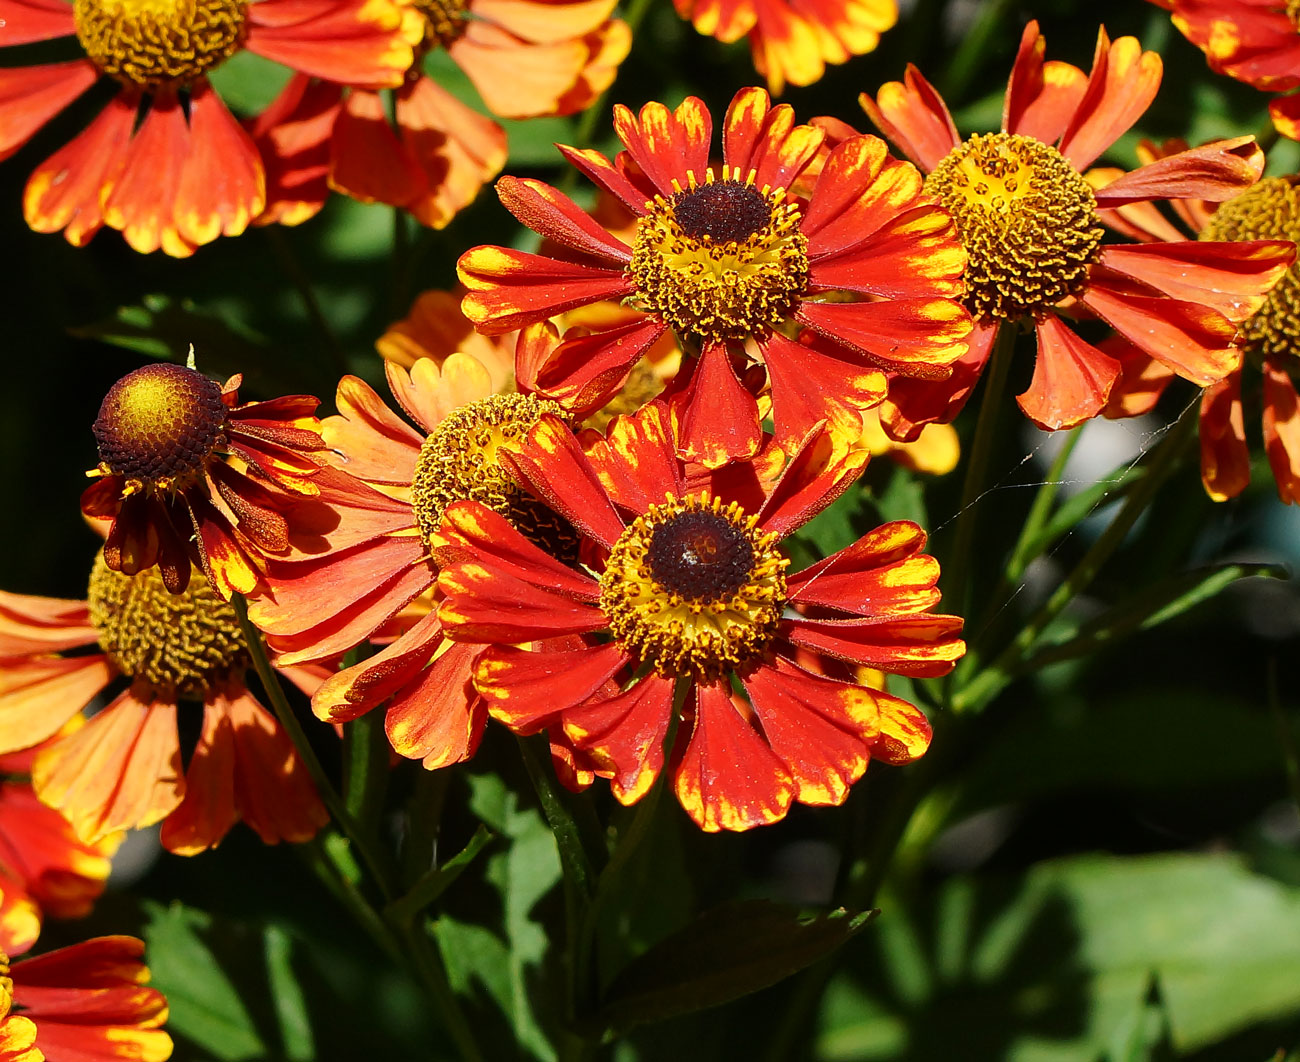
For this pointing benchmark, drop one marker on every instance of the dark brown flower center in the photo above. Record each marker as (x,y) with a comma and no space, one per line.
(722,210)
(700,555)
(160,423)
(151,43)
(444,22)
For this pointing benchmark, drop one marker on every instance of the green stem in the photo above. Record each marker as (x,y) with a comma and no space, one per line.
(284,713)
(974,49)
(997,675)
(992,411)
(365,771)
(429,966)
(423,822)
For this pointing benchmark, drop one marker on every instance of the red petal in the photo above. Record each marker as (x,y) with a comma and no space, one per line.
(1282,431)
(760,139)
(1213,172)
(918,337)
(665,144)
(637,459)
(915,254)
(914,117)
(718,417)
(293,138)
(605,174)
(809,387)
(26,21)
(1041,97)
(624,735)
(222,186)
(526,690)
(1072,379)
(1225,457)
(913,403)
(883,573)
(584,372)
(818,472)
(510,289)
(31,95)
(904,645)
(367,159)
(438,719)
(1121,86)
(352,692)
(554,215)
(142,204)
(485,605)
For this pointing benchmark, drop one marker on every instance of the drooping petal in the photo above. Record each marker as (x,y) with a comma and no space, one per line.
(30,624)
(1282,431)
(31,95)
(526,690)
(222,186)
(819,471)
(355,690)
(1225,457)
(584,372)
(1072,378)
(367,158)
(624,735)
(718,416)
(293,138)
(38,695)
(913,403)
(1213,172)
(366,43)
(438,719)
(809,386)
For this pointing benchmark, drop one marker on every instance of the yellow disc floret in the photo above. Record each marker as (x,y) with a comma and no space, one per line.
(158,425)
(693,588)
(151,43)
(180,644)
(1027,219)
(722,260)
(1270,210)
(444,21)
(462,460)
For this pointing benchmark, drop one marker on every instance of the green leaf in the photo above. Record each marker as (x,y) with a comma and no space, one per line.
(204,1004)
(1150,607)
(727,952)
(287,997)
(436,881)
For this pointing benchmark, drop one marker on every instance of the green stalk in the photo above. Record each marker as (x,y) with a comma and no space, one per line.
(997,675)
(365,771)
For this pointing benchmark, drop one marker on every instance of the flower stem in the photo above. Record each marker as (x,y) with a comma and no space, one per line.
(975,694)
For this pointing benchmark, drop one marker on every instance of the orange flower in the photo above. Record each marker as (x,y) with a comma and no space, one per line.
(1255,41)
(188,473)
(793,40)
(122,769)
(525,58)
(1270,337)
(683,591)
(45,869)
(1032,228)
(186,172)
(811,295)
(86,1003)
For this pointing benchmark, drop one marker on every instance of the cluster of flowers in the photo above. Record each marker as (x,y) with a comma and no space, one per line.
(579,531)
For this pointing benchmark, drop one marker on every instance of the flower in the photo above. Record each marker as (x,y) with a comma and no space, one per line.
(685,594)
(86,1003)
(165,163)
(122,769)
(188,473)
(793,40)
(1255,41)
(825,290)
(1032,228)
(423,149)
(45,869)
(388,494)
(1270,338)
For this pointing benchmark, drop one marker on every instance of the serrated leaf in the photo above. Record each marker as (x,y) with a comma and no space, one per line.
(725,953)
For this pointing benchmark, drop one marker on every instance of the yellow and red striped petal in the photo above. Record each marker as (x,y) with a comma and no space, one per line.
(510,289)
(1041,96)
(727,20)
(810,386)
(1225,455)
(916,337)
(905,645)
(293,139)
(1282,431)
(913,403)
(1121,86)
(365,43)
(764,140)
(636,460)
(884,573)
(526,690)
(624,735)
(904,731)
(819,471)
(584,372)
(1072,379)
(606,175)
(914,255)
(121,771)
(31,95)
(718,417)
(665,144)
(726,776)
(912,114)
(1193,340)
(555,216)
(1285,113)
(437,718)
(485,605)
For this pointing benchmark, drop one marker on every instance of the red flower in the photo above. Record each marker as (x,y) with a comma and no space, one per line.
(122,769)
(1269,337)
(1255,41)
(685,594)
(188,473)
(524,59)
(825,290)
(86,1003)
(793,40)
(186,172)
(1032,229)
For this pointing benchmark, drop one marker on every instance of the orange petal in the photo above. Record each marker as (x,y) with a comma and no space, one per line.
(912,114)
(222,186)
(40,694)
(293,138)
(1282,431)
(1225,457)
(26,21)
(31,95)
(1072,379)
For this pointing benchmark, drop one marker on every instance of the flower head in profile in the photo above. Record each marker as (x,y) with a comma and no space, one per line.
(813,294)
(188,473)
(692,623)
(1255,41)
(1270,338)
(157,654)
(89,1002)
(46,870)
(420,148)
(793,41)
(1032,228)
(165,162)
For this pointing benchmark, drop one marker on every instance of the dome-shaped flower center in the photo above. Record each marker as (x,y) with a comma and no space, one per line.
(720,261)
(1269,210)
(160,423)
(180,644)
(693,588)
(444,22)
(1027,219)
(152,43)
(462,460)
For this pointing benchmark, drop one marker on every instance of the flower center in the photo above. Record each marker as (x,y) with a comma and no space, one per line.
(461,460)
(444,22)
(1269,210)
(692,588)
(159,424)
(1293,13)
(720,261)
(6,987)
(1028,221)
(181,644)
(152,43)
